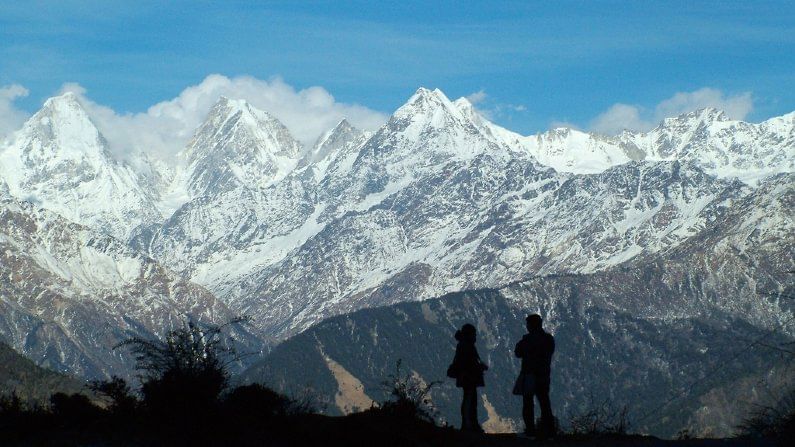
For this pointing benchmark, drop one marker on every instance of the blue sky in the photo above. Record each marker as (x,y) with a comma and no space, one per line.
(535,63)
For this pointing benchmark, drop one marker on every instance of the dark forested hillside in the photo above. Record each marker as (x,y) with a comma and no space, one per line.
(30,382)
(604,356)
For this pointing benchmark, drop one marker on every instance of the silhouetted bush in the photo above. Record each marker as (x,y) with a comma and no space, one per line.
(257,401)
(183,375)
(10,405)
(599,418)
(117,395)
(307,401)
(410,396)
(73,408)
(772,422)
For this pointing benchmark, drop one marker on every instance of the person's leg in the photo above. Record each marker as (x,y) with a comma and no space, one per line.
(469,409)
(547,419)
(473,410)
(528,413)
(464,409)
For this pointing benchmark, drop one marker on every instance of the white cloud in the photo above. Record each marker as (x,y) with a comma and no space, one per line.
(625,116)
(72,87)
(476,97)
(619,117)
(165,128)
(490,110)
(11,118)
(736,107)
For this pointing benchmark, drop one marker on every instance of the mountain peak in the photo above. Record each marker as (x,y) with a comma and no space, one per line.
(426,92)
(238,115)
(238,144)
(713,114)
(707,115)
(67,97)
(426,103)
(67,104)
(343,126)
(328,145)
(424,98)
(62,126)
(228,107)
(61,161)
(343,130)
(463,103)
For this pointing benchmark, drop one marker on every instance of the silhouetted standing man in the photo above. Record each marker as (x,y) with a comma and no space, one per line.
(535,349)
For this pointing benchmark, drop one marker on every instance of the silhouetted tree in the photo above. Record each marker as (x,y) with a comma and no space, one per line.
(183,375)
(116,393)
(10,405)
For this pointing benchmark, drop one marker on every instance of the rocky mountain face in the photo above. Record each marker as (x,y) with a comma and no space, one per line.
(238,146)
(69,294)
(437,200)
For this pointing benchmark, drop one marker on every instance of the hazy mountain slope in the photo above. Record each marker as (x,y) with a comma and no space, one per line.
(22,377)
(69,294)
(619,357)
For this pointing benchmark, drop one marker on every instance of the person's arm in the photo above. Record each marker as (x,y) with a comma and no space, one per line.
(519,349)
(482,364)
(457,356)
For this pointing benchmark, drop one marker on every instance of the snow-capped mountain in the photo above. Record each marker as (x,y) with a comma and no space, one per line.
(720,146)
(60,161)
(437,200)
(238,146)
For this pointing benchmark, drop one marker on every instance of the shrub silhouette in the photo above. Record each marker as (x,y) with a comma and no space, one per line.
(772,422)
(10,405)
(600,418)
(73,409)
(117,395)
(258,402)
(410,396)
(183,375)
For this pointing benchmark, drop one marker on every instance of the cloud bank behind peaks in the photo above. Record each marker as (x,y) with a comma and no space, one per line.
(619,116)
(165,128)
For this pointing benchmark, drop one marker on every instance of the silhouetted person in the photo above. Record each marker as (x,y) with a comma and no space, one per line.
(467,368)
(535,349)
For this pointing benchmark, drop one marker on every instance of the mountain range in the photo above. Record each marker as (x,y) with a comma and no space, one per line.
(245,220)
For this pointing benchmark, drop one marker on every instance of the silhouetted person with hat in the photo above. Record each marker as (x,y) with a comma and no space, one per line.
(535,349)
(467,369)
